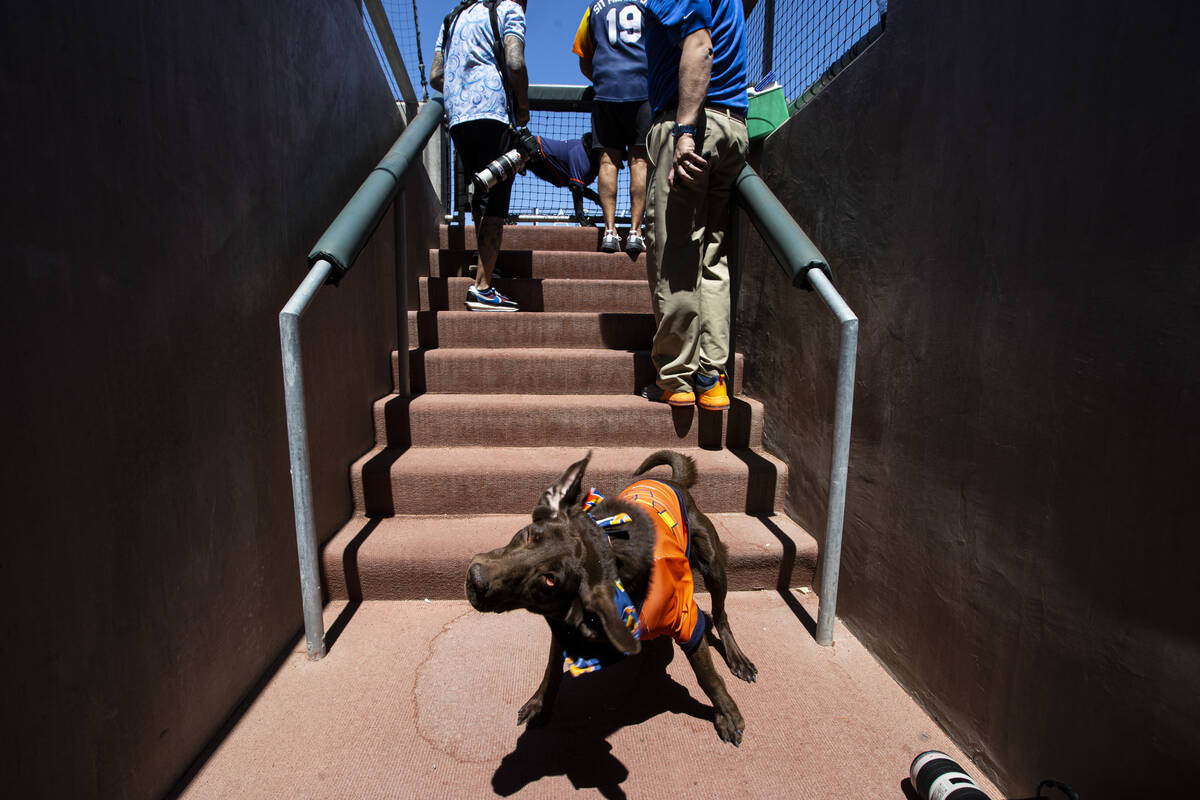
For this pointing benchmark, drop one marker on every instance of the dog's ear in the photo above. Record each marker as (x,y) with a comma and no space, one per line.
(563,493)
(599,600)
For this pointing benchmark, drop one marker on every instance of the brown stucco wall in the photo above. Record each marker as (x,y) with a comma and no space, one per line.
(1008,193)
(167,168)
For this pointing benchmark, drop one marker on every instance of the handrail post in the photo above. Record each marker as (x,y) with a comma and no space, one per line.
(807,267)
(831,556)
(293,394)
(333,255)
(400,209)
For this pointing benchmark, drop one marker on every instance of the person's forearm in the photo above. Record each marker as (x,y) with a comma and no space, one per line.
(585,66)
(518,78)
(436,72)
(695,67)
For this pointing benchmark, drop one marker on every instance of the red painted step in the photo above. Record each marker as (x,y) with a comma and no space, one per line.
(414,558)
(509,480)
(544,294)
(525,237)
(536,371)
(461,420)
(561,329)
(543,264)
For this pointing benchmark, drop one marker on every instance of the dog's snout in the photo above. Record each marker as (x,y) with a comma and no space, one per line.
(477,583)
(477,576)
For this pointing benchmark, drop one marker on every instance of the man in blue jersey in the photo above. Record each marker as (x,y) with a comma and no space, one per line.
(612,56)
(696,52)
(481,73)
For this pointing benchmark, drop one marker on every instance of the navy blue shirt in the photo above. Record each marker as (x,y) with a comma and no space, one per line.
(669,22)
(611,36)
(569,162)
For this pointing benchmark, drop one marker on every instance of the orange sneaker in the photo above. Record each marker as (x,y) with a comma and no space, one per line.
(657,394)
(713,394)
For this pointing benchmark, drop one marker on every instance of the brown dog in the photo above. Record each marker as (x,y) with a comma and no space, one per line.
(564,566)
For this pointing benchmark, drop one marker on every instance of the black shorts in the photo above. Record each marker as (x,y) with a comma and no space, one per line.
(478,143)
(620,126)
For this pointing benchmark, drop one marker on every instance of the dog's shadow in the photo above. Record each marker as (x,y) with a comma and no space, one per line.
(588,710)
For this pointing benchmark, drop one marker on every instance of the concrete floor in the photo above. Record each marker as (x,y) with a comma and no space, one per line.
(419,699)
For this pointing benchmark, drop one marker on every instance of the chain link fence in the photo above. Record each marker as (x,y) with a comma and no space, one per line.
(408,30)
(805,43)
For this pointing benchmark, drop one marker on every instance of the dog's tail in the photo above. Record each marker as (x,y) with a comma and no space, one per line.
(683,468)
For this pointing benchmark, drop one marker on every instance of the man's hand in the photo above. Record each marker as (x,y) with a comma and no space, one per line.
(688,165)
(522,117)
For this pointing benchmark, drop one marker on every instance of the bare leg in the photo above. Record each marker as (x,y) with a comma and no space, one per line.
(537,708)
(637,187)
(610,165)
(489,234)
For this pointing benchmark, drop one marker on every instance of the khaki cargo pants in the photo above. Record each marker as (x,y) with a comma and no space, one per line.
(686,261)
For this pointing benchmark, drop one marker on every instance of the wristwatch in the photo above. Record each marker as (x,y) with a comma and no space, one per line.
(678,130)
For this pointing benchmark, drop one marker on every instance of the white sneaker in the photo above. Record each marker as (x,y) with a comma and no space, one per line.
(634,243)
(611,242)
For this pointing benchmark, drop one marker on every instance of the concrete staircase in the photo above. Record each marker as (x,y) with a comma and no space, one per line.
(419,693)
(502,403)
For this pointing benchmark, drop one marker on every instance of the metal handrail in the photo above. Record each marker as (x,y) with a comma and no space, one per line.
(804,264)
(560,97)
(330,260)
(345,238)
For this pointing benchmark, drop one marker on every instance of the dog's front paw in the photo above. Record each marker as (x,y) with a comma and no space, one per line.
(729,725)
(742,667)
(533,713)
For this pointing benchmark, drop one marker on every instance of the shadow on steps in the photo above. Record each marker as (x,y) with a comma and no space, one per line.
(736,423)
(377,482)
(762,479)
(784,587)
(353,584)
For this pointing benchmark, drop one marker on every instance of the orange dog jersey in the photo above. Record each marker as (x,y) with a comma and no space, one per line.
(669,608)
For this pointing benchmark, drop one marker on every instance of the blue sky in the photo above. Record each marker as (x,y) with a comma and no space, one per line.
(809,36)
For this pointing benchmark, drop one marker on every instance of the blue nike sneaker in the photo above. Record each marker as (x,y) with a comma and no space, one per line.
(491,300)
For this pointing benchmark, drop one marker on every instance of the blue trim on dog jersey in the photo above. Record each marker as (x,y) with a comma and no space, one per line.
(687,527)
(691,644)
(578,665)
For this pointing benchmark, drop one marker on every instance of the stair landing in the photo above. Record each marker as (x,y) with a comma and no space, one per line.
(419,699)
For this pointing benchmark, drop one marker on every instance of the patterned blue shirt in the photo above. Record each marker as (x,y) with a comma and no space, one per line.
(473,87)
